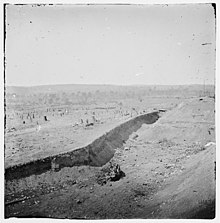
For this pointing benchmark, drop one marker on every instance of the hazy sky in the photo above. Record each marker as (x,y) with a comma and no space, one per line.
(149,44)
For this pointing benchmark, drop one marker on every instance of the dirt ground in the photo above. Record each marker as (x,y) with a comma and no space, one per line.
(64,131)
(168,172)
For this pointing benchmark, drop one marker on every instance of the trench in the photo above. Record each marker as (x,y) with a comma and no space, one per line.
(98,153)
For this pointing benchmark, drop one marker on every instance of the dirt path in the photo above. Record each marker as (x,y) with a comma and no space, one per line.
(169,173)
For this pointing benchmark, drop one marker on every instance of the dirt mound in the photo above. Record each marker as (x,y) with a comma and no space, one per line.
(97,153)
(110,172)
(192,195)
(193,122)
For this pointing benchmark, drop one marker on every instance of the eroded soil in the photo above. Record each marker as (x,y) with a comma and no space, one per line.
(169,173)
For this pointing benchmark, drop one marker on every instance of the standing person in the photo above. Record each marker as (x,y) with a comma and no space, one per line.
(94,119)
(38,127)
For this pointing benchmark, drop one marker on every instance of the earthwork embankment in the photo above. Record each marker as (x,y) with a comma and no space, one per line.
(97,153)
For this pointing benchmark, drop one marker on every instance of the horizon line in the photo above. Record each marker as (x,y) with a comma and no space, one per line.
(119,85)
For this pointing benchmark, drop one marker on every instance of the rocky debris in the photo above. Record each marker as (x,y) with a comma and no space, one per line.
(11,130)
(144,190)
(69,183)
(89,124)
(82,184)
(16,201)
(209,144)
(162,110)
(167,166)
(166,142)
(78,201)
(194,149)
(110,172)
(135,136)
(115,172)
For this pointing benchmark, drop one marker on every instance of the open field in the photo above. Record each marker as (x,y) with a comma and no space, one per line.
(29,136)
(61,144)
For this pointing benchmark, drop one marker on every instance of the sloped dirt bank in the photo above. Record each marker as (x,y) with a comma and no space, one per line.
(97,153)
(169,173)
(192,194)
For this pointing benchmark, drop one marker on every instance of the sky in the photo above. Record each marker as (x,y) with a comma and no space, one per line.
(110,44)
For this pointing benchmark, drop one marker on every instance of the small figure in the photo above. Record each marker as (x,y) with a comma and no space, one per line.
(38,127)
(94,119)
(54,165)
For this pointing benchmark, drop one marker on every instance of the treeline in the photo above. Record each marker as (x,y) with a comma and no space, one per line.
(101,96)
(63,98)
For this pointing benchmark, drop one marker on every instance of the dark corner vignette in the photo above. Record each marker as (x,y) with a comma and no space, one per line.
(4,75)
(4,47)
(4,43)
(214,7)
